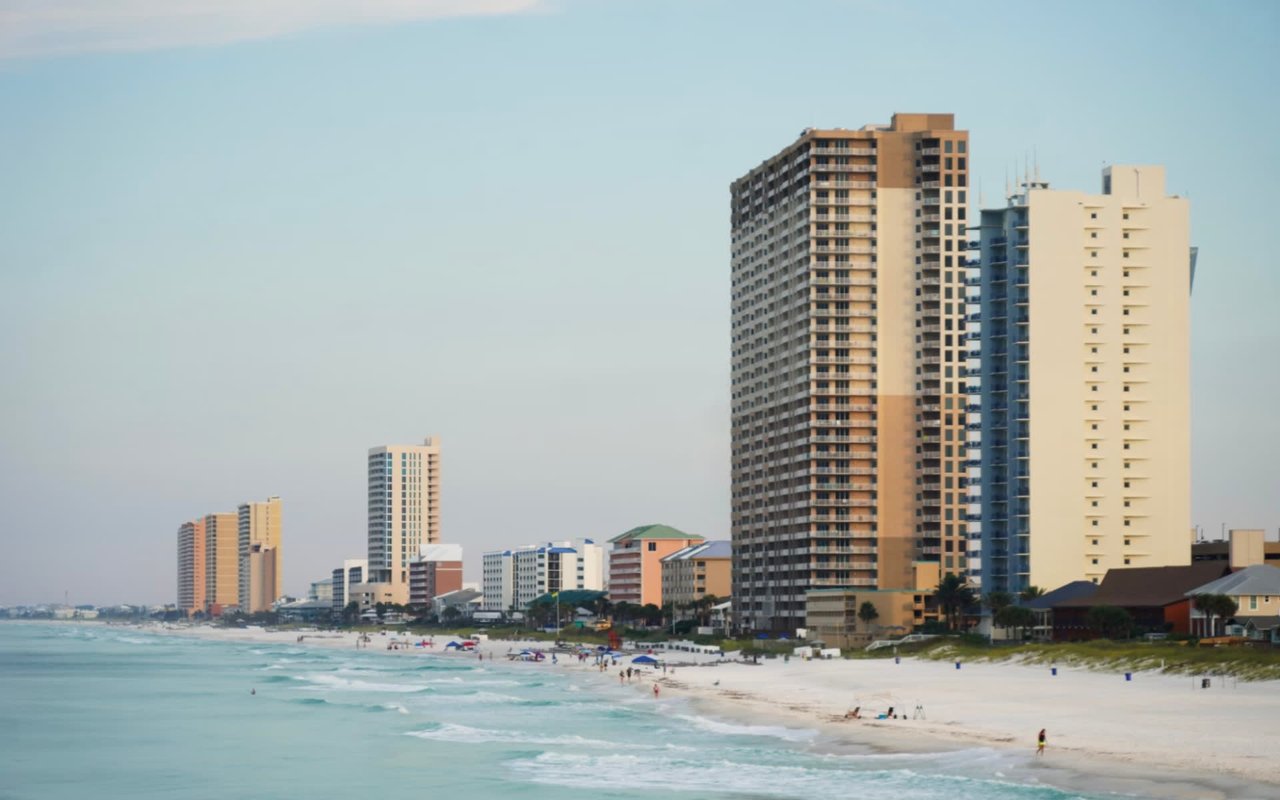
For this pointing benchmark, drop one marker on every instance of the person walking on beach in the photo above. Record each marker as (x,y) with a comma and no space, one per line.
(1040,743)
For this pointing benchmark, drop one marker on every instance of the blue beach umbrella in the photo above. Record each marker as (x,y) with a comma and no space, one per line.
(644,660)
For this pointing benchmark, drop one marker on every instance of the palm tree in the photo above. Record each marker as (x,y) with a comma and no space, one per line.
(1226,607)
(1018,617)
(1109,622)
(868,614)
(1030,593)
(1213,606)
(704,606)
(998,601)
(953,596)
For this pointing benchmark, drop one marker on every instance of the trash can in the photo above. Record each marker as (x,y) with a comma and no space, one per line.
(1053,670)
(897,660)
(1128,676)
(1204,683)
(957,665)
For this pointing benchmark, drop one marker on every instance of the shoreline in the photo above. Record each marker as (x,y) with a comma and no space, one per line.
(1154,736)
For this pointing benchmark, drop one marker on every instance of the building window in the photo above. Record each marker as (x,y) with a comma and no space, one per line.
(653,547)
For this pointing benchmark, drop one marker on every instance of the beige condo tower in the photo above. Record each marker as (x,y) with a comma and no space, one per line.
(221,562)
(404,511)
(1082,383)
(260,556)
(848,401)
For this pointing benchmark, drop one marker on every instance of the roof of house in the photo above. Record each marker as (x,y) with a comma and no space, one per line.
(1075,590)
(1261,579)
(655,532)
(573,597)
(1148,586)
(1262,622)
(716,548)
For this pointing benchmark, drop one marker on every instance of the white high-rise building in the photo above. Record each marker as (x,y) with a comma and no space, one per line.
(404,510)
(1080,383)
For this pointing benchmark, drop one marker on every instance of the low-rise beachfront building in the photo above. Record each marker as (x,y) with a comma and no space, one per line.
(1156,599)
(512,578)
(367,595)
(635,563)
(1242,548)
(352,571)
(464,602)
(437,570)
(1042,606)
(831,615)
(1256,592)
(697,571)
(321,590)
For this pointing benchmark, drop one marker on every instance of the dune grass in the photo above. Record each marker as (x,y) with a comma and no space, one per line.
(1243,663)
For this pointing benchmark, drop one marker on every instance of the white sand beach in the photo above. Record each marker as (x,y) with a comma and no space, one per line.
(1097,722)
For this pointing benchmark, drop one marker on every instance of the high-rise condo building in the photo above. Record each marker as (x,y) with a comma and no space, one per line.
(404,510)
(1083,396)
(221,562)
(848,402)
(261,558)
(191,572)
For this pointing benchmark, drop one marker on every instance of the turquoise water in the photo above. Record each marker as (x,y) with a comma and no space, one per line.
(103,712)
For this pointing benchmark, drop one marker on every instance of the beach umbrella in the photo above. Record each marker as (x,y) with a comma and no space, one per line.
(644,660)
(451,644)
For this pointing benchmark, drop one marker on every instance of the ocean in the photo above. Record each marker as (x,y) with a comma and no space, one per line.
(113,713)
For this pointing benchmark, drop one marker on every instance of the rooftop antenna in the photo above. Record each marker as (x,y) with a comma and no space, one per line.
(1007,193)
(1035,159)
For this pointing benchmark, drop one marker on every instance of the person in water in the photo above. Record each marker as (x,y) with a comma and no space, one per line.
(1040,743)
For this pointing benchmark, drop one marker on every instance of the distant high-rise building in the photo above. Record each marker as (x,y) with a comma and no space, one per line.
(1083,395)
(404,510)
(191,571)
(635,563)
(261,578)
(221,562)
(438,570)
(848,396)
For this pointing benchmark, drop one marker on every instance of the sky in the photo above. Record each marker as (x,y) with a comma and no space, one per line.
(242,242)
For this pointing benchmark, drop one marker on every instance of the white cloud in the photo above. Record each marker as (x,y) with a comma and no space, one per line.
(45,28)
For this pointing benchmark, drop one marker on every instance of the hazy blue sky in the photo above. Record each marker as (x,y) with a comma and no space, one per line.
(240,246)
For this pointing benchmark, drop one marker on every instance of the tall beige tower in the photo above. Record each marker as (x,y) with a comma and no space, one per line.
(1084,391)
(261,577)
(848,399)
(404,510)
(221,562)
(191,570)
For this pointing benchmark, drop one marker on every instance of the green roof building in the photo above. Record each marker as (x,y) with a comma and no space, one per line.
(635,563)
